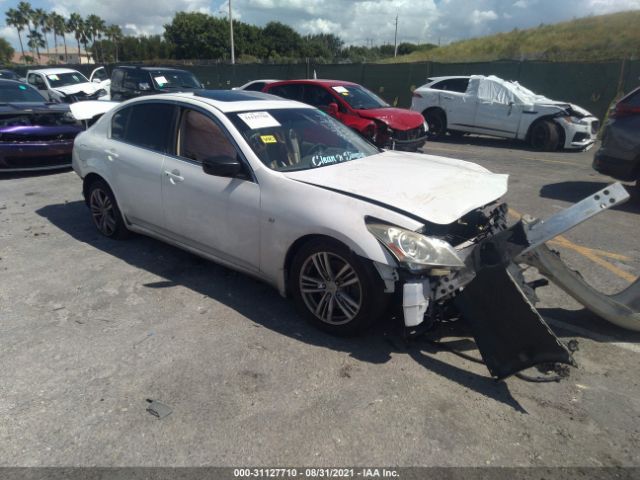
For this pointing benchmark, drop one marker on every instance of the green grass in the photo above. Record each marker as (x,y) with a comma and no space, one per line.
(603,37)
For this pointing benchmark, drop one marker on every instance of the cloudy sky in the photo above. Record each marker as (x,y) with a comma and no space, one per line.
(358,22)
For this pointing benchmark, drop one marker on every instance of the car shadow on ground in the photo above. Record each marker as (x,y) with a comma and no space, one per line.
(262,304)
(585,324)
(493,142)
(574,191)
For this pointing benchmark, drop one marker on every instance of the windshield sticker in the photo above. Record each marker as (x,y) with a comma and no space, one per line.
(341,89)
(320,160)
(160,80)
(53,77)
(256,120)
(268,139)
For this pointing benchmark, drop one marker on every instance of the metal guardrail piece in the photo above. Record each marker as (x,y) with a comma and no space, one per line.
(621,309)
(544,230)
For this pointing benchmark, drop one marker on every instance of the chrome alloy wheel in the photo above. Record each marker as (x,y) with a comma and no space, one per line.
(330,288)
(102,212)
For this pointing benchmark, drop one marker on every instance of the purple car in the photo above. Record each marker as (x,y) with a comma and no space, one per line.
(34,134)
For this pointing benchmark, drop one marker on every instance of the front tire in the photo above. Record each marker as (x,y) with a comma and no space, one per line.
(437,122)
(334,289)
(545,136)
(105,213)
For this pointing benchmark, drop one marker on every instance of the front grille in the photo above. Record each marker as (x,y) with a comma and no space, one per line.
(595,126)
(412,134)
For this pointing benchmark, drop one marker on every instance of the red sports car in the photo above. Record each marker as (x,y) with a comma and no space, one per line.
(358,108)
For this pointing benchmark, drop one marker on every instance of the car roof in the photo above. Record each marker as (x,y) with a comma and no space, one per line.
(450,77)
(140,67)
(54,71)
(228,101)
(8,81)
(313,81)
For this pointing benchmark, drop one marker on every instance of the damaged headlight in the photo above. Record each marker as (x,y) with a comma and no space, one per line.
(414,250)
(574,120)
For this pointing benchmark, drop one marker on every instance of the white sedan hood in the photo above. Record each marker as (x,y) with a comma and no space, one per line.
(436,189)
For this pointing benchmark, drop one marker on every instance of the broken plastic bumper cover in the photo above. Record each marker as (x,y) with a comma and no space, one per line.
(510,333)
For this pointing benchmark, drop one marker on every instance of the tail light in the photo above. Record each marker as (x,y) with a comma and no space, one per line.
(416,94)
(624,110)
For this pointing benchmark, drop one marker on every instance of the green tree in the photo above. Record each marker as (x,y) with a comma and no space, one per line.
(15,19)
(95,27)
(282,40)
(6,51)
(75,25)
(59,27)
(197,35)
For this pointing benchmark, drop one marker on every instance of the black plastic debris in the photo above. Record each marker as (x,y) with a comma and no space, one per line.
(158,409)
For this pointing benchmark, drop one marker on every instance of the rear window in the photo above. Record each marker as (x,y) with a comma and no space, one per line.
(292,92)
(19,92)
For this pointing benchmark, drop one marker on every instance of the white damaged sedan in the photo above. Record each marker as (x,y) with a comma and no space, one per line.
(283,192)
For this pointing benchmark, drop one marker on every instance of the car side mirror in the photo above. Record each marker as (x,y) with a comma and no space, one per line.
(333,109)
(222,166)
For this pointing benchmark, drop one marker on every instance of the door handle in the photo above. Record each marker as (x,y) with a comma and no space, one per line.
(174,176)
(111,153)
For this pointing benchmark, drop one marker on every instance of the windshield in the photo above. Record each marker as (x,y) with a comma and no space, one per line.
(64,79)
(359,97)
(19,94)
(168,79)
(300,138)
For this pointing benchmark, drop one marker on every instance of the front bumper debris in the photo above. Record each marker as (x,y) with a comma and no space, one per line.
(510,333)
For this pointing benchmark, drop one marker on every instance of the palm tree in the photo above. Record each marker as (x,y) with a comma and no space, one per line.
(36,42)
(114,34)
(39,18)
(15,19)
(95,29)
(60,28)
(75,25)
(25,11)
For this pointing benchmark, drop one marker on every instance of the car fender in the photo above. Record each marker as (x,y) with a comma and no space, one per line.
(323,213)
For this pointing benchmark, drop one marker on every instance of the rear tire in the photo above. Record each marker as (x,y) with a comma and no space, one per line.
(437,122)
(334,289)
(105,213)
(544,136)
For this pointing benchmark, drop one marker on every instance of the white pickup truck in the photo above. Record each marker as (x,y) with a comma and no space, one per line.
(64,85)
(492,106)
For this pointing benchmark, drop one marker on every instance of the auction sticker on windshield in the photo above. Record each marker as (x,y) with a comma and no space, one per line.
(256,120)
(341,89)
(160,80)
(53,77)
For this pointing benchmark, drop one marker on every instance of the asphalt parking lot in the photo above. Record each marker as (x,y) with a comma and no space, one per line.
(91,328)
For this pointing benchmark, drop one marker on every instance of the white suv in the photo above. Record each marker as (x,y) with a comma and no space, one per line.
(492,106)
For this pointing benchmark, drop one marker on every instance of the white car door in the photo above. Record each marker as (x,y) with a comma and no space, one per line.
(497,113)
(218,215)
(459,107)
(140,136)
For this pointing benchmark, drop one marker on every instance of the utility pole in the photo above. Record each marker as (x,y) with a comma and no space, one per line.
(395,39)
(233,55)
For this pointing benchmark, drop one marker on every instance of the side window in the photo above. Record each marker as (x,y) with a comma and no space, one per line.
(118,76)
(317,96)
(200,137)
(36,80)
(256,86)
(119,123)
(459,85)
(150,125)
(136,80)
(292,92)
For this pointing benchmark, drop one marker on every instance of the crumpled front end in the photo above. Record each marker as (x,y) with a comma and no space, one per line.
(489,292)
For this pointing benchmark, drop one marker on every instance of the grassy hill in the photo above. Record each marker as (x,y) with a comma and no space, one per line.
(603,37)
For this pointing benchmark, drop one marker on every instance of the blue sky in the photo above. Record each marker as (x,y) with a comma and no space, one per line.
(356,21)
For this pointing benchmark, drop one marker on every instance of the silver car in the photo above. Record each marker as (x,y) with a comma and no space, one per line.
(283,192)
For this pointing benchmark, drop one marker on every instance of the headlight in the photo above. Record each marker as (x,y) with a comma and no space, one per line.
(575,120)
(414,250)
